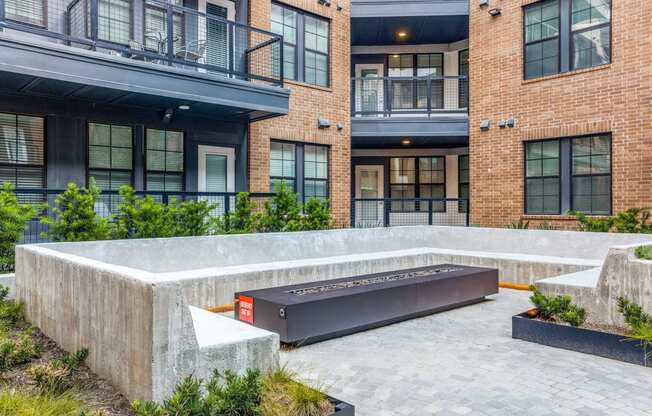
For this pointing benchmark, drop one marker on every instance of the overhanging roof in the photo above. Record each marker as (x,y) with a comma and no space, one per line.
(403,8)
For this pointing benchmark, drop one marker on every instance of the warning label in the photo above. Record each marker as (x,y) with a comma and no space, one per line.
(246,309)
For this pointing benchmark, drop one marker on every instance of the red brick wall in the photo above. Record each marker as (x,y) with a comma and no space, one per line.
(307,104)
(614,98)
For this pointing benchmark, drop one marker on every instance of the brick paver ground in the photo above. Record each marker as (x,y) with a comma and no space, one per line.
(464,362)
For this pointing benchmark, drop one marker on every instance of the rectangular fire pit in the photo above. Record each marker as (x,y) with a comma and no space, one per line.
(312,312)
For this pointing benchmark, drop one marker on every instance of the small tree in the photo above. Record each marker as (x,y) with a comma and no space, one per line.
(141,217)
(191,218)
(75,218)
(316,215)
(282,212)
(13,221)
(242,220)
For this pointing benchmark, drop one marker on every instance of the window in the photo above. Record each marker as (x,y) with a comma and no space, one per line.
(432,181)
(542,190)
(402,183)
(284,22)
(316,54)
(431,64)
(464,182)
(114,20)
(305,44)
(22,150)
(282,167)
(110,155)
(315,172)
(591,33)
(591,170)
(26,11)
(402,91)
(463,100)
(164,160)
(542,39)
(156,27)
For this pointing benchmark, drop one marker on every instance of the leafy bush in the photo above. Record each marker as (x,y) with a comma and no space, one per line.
(633,220)
(546,226)
(191,218)
(644,252)
(21,403)
(519,225)
(57,376)
(316,215)
(557,308)
(140,217)
(17,350)
(640,324)
(74,215)
(11,311)
(232,395)
(13,221)
(283,396)
(282,212)
(241,220)
(593,225)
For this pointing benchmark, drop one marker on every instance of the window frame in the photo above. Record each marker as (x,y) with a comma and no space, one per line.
(327,55)
(155,6)
(45,149)
(88,151)
(558,176)
(44,23)
(465,82)
(415,84)
(295,45)
(328,166)
(284,178)
(183,159)
(591,175)
(417,184)
(526,44)
(300,47)
(131,23)
(572,34)
(463,205)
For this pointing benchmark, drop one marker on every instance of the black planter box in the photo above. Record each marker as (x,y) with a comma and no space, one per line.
(312,312)
(342,408)
(587,341)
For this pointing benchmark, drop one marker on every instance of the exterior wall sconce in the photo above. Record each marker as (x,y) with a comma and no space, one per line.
(511,122)
(340,126)
(323,123)
(484,3)
(485,125)
(495,12)
(326,3)
(502,123)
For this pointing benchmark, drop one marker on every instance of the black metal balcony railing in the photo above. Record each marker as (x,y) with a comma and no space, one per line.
(389,212)
(155,31)
(108,203)
(395,96)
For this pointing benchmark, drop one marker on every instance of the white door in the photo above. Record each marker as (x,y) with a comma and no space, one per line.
(369,184)
(369,93)
(216,173)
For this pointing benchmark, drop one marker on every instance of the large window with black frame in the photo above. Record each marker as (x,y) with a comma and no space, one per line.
(282,166)
(284,22)
(413,178)
(27,11)
(110,159)
(115,20)
(565,35)
(22,153)
(464,183)
(315,172)
(156,27)
(164,154)
(463,92)
(586,185)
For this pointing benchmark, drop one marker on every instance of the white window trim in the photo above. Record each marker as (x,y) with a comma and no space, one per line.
(202,152)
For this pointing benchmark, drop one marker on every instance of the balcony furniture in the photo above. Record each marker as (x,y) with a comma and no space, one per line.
(194,51)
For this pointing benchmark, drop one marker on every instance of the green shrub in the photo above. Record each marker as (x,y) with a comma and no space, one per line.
(593,225)
(644,252)
(191,218)
(11,312)
(141,217)
(17,350)
(57,376)
(74,215)
(13,221)
(21,403)
(519,225)
(282,212)
(558,308)
(640,324)
(241,220)
(316,215)
(546,226)
(232,395)
(283,396)
(633,220)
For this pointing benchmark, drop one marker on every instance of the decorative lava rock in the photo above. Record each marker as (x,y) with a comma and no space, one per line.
(312,312)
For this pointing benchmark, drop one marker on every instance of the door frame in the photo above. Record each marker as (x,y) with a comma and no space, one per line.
(202,152)
(381,179)
(358,74)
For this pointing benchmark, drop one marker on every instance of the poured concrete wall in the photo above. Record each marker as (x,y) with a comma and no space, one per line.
(138,305)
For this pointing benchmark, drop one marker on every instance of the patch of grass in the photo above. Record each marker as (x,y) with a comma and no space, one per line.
(17,349)
(519,225)
(644,252)
(57,376)
(284,396)
(20,403)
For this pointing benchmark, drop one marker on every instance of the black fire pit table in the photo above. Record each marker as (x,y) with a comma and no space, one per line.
(312,312)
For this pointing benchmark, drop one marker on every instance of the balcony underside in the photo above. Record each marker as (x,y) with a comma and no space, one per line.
(405,8)
(52,70)
(370,31)
(388,132)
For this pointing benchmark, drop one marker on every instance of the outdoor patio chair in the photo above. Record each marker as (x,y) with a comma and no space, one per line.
(194,51)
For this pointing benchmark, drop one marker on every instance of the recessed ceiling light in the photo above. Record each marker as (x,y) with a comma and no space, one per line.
(395,56)
(184,107)
(402,34)
(406,141)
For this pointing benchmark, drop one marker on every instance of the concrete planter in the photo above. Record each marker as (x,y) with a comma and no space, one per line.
(587,341)
(342,408)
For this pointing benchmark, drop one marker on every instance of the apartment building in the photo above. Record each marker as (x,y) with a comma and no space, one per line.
(560,109)
(176,96)
(409,107)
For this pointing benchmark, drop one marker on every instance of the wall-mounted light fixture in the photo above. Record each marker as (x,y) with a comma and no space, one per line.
(485,125)
(340,126)
(325,2)
(495,12)
(323,123)
(502,123)
(167,115)
(511,122)
(484,3)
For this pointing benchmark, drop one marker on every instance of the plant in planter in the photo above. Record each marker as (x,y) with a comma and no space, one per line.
(557,308)
(644,252)
(640,324)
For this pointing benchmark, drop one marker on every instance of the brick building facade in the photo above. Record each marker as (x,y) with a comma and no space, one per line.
(308,103)
(610,99)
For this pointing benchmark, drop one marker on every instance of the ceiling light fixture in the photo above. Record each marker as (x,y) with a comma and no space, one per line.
(406,141)
(184,107)
(402,34)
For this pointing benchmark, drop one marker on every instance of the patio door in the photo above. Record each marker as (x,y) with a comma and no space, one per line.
(369,184)
(216,173)
(217,32)
(369,95)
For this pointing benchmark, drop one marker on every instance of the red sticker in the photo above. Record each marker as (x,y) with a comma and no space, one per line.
(246,309)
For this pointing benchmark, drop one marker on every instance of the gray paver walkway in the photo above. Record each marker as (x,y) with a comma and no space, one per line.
(464,362)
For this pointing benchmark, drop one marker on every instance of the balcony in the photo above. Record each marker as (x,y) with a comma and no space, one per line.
(158,54)
(430,110)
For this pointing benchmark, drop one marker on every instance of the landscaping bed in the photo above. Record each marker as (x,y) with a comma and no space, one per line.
(614,346)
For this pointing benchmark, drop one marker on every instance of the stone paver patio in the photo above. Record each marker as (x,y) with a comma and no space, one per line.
(464,362)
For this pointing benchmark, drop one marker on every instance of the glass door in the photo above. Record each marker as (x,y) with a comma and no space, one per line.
(369,193)
(216,174)
(369,90)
